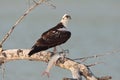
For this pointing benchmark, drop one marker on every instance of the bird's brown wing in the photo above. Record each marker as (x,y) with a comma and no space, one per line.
(50,39)
(54,38)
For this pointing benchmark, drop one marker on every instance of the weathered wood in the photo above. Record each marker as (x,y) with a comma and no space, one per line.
(69,64)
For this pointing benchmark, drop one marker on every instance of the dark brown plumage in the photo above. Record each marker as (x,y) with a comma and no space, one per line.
(51,38)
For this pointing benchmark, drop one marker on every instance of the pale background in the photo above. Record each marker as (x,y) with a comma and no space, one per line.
(95,28)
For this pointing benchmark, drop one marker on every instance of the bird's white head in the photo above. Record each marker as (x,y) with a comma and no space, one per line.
(65,19)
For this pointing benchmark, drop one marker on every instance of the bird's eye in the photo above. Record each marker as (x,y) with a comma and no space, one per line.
(68,16)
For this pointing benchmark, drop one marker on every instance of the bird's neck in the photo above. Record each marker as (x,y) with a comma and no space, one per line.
(64,22)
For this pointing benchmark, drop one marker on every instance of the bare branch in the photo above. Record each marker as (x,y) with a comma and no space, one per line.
(94,64)
(96,56)
(68,79)
(69,64)
(50,4)
(3,71)
(105,78)
(19,20)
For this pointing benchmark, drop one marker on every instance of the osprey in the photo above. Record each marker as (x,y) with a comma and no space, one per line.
(53,37)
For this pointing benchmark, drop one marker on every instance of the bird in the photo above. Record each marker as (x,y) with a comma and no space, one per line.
(53,37)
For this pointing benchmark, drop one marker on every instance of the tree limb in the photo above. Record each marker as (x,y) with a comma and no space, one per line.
(19,20)
(69,64)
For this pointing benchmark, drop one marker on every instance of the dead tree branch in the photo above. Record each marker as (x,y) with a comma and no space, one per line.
(19,20)
(69,64)
(98,55)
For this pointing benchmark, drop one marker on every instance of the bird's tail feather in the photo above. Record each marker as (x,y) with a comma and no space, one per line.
(33,51)
(36,49)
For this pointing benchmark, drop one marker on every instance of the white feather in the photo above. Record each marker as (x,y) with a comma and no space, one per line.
(65,20)
(62,29)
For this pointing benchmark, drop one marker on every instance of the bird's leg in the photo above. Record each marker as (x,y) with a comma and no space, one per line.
(64,54)
(64,50)
(61,48)
(55,50)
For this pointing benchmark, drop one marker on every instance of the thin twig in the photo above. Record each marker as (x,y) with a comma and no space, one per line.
(3,71)
(28,3)
(99,55)
(50,4)
(19,20)
(90,65)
